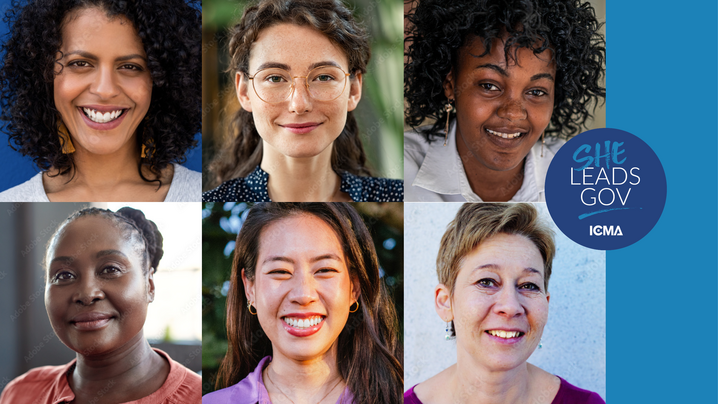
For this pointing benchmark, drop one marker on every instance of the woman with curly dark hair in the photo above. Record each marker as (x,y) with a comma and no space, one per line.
(104,96)
(99,282)
(506,82)
(309,319)
(297,67)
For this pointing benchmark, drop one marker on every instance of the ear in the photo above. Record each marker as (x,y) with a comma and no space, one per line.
(356,290)
(151,287)
(449,86)
(442,302)
(248,287)
(354,91)
(241,84)
(548,297)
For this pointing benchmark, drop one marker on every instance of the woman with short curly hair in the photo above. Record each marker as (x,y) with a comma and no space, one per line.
(505,82)
(104,96)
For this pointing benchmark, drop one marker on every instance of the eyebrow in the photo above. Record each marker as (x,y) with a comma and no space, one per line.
(495,267)
(105,253)
(275,65)
(89,55)
(504,73)
(329,256)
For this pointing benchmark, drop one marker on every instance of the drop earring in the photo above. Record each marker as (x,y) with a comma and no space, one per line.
(448,331)
(543,142)
(65,140)
(448,108)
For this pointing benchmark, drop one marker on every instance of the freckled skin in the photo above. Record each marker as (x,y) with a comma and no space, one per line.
(280,287)
(298,47)
(500,296)
(113,284)
(103,80)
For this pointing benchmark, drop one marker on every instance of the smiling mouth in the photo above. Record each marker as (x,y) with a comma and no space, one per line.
(303,323)
(99,117)
(504,135)
(505,334)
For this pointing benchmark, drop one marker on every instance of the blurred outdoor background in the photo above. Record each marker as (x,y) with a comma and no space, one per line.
(173,320)
(220,224)
(380,111)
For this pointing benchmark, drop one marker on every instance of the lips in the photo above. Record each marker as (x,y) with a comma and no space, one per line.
(301,128)
(91,321)
(507,133)
(505,336)
(303,324)
(102,117)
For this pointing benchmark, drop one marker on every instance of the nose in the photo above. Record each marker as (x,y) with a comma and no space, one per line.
(508,304)
(300,101)
(304,290)
(89,291)
(513,109)
(105,83)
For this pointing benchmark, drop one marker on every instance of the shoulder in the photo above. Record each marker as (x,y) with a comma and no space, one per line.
(247,391)
(415,147)
(29,191)
(570,394)
(410,397)
(186,185)
(252,188)
(37,385)
(432,389)
(182,385)
(372,189)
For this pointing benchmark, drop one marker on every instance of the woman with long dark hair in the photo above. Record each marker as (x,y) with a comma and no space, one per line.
(297,66)
(308,317)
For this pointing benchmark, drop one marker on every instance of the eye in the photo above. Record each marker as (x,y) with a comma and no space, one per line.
(530,286)
(486,282)
(488,87)
(63,276)
(279,271)
(537,93)
(79,63)
(110,270)
(274,79)
(324,78)
(132,67)
(327,270)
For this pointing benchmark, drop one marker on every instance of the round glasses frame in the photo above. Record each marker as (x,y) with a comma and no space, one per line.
(306,83)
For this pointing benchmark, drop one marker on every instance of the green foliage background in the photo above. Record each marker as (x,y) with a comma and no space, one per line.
(221,223)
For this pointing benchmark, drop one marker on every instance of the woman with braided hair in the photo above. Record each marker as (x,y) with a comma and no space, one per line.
(99,271)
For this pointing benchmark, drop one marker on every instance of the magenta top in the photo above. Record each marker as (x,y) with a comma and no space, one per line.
(251,390)
(567,394)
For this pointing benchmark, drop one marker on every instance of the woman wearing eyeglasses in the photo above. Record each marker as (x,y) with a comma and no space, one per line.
(298,68)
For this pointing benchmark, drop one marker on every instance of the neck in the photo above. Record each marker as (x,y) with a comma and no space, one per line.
(485,386)
(304,381)
(105,171)
(133,361)
(301,179)
(490,185)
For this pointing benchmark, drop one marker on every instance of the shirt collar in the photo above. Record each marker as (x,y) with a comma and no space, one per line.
(257,182)
(442,172)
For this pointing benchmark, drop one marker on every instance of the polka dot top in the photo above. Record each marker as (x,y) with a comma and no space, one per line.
(253,188)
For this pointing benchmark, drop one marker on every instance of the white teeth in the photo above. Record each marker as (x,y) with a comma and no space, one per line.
(99,117)
(504,135)
(504,334)
(303,323)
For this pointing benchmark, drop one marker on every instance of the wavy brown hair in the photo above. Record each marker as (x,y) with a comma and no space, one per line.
(369,352)
(330,17)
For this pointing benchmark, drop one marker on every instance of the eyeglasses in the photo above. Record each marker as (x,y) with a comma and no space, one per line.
(324,83)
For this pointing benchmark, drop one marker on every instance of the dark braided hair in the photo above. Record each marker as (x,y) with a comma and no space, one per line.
(135,224)
(170,33)
(569,28)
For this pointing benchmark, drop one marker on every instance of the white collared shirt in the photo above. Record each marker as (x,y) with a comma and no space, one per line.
(434,172)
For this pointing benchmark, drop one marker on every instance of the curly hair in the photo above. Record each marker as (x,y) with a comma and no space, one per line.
(134,223)
(170,33)
(569,28)
(335,21)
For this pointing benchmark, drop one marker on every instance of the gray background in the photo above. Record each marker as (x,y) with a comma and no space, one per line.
(574,339)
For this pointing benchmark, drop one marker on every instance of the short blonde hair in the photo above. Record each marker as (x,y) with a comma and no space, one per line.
(477,222)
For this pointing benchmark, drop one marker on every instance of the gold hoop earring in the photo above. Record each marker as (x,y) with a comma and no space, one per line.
(543,142)
(448,108)
(249,307)
(357,308)
(65,140)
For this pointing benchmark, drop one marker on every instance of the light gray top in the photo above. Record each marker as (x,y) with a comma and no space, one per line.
(186,186)
(434,172)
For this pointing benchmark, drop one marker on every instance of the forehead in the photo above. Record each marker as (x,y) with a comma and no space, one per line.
(525,59)
(296,46)
(88,28)
(302,236)
(509,254)
(88,234)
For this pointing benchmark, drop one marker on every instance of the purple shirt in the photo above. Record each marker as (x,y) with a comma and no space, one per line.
(567,394)
(251,390)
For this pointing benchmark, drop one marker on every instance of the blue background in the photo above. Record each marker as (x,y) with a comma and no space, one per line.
(661,292)
(17,169)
